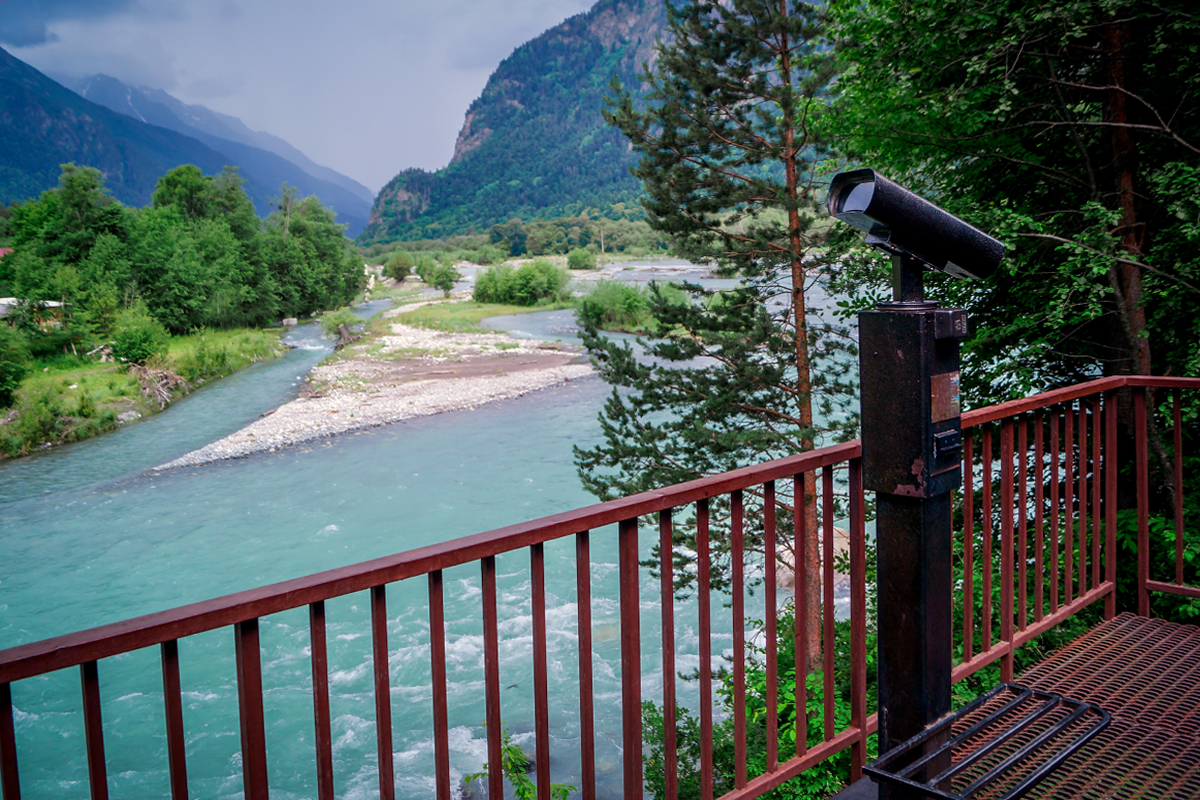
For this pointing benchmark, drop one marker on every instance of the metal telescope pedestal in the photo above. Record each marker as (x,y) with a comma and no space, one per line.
(912,449)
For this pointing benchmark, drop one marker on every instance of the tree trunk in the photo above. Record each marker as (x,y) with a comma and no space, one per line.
(1133,313)
(812,564)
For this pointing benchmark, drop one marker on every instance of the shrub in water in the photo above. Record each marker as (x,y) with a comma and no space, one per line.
(399,266)
(533,282)
(331,323)
(137,336)
(581,259)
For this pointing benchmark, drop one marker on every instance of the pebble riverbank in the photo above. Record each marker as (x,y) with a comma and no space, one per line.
(410,372)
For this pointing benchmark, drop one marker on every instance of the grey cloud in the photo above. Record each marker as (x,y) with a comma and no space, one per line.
(26,22)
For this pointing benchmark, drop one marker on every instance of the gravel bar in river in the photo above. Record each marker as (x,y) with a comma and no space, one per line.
(409,372)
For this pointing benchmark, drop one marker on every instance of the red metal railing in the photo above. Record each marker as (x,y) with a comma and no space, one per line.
(1051,457)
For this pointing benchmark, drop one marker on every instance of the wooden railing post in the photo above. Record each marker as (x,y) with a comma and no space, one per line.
(10,785)
(1143,500)
(437,664)
(173,703)
(631,659)
(1111,464)
(250,710)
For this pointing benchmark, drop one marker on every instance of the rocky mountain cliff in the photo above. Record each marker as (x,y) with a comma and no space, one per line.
(534,143)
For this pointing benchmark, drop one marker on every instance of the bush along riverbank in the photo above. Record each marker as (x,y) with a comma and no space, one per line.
(71,397)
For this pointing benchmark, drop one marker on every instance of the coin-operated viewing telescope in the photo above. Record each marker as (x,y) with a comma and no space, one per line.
(911,441)
(900,222)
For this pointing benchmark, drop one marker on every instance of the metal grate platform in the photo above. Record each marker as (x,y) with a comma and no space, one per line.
(1146,673)
(997,748)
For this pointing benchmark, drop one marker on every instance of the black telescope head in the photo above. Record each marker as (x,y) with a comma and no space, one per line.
(900,222)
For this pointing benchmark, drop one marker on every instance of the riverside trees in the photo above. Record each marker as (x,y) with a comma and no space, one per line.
(198,256)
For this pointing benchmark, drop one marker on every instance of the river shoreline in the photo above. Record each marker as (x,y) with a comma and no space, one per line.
(406,372)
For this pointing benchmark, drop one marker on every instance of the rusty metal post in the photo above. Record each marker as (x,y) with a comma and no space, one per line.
(912,448)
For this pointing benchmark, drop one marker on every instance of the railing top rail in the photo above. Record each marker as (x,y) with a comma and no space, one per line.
(1054,397)
(72,649)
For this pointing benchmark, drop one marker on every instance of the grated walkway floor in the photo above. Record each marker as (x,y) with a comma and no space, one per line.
(1146,673)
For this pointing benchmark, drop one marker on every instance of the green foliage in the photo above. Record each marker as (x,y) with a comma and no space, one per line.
(820,781)
(399,266)
(67,397)
(625,306)
(14,354)
(488,255)
(331,322)
(581,259)
(615,306)
(531,283)
(198,257)
(1080,170)
(442,276)
(515,766)
(137,336)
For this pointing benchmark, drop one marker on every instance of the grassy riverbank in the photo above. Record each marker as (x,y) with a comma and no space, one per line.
(70,398)
(466,316)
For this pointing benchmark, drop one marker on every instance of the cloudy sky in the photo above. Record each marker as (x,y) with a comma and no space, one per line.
(367,87)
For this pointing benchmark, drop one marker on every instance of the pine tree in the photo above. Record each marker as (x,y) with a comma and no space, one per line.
(730,148)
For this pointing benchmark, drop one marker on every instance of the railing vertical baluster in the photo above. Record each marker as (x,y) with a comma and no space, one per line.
(738,589)
(1007,588)
(250,710)
(985,621)
(1054,512)
(800,631)
(491,679)
(320,689)
(1083,498)
(1177,458)
(94,730)
(1039,518)
(666,569)
(583,602)
(437,665)
(541,694)
(1097,466)
(858,620)
(631,658)
(1022,524)
(968,545)
(704,600)
(173,709)
(1143,500)
(772,633)
(383,692)
(827,626)
(1068,504)
(10,783)
(1110,503)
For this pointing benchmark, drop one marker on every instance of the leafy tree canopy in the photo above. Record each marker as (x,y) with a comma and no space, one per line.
(1071,131)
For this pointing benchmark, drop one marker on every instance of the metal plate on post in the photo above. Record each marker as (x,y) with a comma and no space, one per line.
(944,397)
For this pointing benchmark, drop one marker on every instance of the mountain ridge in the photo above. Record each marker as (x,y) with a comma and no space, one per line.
(214,123)
(207,126)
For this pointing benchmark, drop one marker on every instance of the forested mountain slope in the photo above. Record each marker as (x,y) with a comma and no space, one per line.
(534,144)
